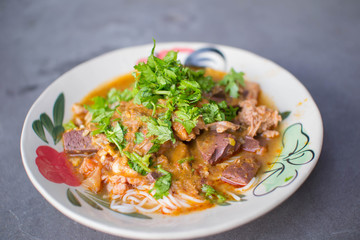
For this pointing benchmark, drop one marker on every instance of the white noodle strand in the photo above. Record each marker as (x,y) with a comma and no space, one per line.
(247,186)
(131,198)
(124,208)
(237,198)
(183,203)
(141,209)
(191,198)
(174,200)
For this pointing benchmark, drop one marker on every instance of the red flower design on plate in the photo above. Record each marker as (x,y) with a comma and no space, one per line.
(55,167)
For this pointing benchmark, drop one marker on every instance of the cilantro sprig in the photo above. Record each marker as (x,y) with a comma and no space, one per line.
(215,112)
(179,86)
(159,127)
(212,195)
(138,163)
(115,95)
(188,159)
(162,184)
(139,137)
(101,116)
(187,116)
(231,81)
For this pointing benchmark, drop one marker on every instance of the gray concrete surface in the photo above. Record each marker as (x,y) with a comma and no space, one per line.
(318,41)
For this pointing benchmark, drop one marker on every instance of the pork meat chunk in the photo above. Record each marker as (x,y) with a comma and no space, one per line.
(215,147)
(252,145)
(251,91)
(241,172)
(258,118)
(76,142)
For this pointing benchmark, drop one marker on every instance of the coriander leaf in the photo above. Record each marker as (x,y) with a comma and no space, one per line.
(231,81)
(212,195)
(187,116)
(101,116)
(115,95)
(162,184)
(188,159)
(138,163)
(139,137)
(211,112)
(160,128)
(154,148)
(229,111)
(206,83)
(69,125)
(118,132)
(169,80)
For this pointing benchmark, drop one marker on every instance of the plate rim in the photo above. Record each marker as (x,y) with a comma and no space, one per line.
(161,235)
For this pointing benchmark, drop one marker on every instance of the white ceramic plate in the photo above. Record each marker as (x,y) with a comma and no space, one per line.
(43,162)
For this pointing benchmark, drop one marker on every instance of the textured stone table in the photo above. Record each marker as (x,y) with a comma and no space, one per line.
(318,41)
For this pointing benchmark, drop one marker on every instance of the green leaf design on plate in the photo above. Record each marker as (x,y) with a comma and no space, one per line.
(88,200)
(285,170)
(56,133)
(288,178)
(54,129)
(105,203)
(71,197)
(46,122)
(39,130)
(58,110)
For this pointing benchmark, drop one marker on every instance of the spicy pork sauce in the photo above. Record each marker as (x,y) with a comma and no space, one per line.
(187,176)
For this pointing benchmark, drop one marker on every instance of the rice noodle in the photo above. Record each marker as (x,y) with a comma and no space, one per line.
(237,198)
(134,199)
(115,196)
(166,202)
(143,202)
(247,186)
(166,210)
(174,200)
(141,209)
(183,203)
(191,198)
(142,187)
(124,208)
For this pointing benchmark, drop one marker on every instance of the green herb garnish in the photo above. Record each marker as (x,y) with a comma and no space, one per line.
(231,81)
(179,87)
(162,184)
(211,112)
(212,195)
(138,163)
(115,95)
(159,127)
(229,111)
(101,116)
(69,125)
(188,116)
(139,137)
(188,159)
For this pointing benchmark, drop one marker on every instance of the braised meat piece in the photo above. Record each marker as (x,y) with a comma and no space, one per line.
(251,91)
(181,132)
(76,143)
(223,126)
(258,118)
(241,172)
(252,145)
(215,147)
